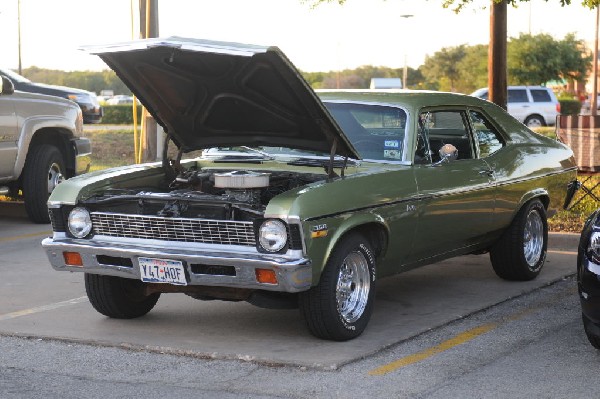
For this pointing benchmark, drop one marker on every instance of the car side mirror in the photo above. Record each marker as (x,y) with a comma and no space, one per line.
(448,153)
(7,86)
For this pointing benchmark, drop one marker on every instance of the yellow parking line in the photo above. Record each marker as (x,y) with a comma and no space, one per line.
(14,238)
(444,346)
(43,308)
(562,252)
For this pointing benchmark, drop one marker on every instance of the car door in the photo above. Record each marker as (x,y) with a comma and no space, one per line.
(518,104)
(8,135)
(457,197)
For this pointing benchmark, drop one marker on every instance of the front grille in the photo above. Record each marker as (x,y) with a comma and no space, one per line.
(174,229)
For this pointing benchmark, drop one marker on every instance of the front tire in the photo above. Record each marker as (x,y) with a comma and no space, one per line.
(118,298)
(520,253)
(588,326)
(44,170)
(340,306)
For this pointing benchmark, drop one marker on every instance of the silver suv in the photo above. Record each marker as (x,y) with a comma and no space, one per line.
(40,145)
(532,105)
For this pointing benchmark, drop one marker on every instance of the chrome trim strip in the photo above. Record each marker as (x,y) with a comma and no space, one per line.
(440,194)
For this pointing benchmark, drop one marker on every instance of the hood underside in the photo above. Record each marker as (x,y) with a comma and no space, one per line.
(210,94)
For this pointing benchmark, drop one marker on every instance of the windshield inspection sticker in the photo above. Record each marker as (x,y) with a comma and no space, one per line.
(392,149)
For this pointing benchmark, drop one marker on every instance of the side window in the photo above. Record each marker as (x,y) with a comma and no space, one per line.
(517,96)
(488,138)
(438,128)
(540,96)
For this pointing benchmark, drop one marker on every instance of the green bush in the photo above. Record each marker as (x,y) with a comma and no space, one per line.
(569,106)
(120,114)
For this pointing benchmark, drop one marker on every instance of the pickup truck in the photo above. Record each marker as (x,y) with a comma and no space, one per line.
(40,146)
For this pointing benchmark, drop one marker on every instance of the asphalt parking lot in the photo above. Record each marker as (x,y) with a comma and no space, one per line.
(36,301)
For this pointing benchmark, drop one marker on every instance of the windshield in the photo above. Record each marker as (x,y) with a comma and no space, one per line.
(376,131)
(15,77)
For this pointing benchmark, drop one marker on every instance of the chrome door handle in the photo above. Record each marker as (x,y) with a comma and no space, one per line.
(488,172)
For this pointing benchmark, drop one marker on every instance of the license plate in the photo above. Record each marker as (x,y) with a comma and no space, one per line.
(154,270)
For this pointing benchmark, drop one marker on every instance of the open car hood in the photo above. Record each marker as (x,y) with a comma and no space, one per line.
(210,94)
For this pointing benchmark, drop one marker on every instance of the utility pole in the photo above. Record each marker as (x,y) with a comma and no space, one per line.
(405,70)
(19,34)
(497,70)
(594,99)
(149,28)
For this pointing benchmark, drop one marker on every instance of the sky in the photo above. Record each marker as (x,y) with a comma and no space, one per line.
(328,37)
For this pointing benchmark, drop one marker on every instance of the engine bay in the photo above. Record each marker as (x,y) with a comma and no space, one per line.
(207,194)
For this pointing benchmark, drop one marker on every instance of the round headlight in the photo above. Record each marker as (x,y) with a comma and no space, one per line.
(80,223)
(272,235)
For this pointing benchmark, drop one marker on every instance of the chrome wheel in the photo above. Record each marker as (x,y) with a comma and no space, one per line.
(55,177)
(533,238)
(353,287)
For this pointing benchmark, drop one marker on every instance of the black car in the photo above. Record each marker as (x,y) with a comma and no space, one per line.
(588,277)
(87,101)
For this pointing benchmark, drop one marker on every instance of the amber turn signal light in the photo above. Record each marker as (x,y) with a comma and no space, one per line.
(72,259)
(266,276)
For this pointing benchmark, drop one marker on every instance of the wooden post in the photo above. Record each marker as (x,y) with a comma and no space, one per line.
(148,28)
(497,70)
(594,99)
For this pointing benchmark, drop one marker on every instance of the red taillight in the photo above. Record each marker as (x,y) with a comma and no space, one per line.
(558,108)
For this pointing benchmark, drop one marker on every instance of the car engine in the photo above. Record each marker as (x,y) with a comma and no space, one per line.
(206,194)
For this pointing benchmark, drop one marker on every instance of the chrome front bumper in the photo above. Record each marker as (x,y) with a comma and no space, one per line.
(293,275)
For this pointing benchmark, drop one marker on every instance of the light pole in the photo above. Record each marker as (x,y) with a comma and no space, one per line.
(594,100)
(405,72)
(19,33)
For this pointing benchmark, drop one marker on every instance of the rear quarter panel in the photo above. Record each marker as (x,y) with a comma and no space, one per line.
(529,166)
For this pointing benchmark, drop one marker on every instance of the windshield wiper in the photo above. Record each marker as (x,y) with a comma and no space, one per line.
(337,163)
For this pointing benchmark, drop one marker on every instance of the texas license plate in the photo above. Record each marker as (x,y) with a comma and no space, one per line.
(154,270)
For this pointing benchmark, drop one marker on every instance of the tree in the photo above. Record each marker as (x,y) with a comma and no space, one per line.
(473,68)
(360,78)
(460,4)
(576,58)
(533,60)
(86,80)
(444,65)
(497,56)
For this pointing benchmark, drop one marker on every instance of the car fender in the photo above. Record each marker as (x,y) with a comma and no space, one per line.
(353,223)
(31,127)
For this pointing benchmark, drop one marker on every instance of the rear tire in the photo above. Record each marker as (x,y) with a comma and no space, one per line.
(534,121)
(340,306)
(44,170)
(520,253)
(118,298)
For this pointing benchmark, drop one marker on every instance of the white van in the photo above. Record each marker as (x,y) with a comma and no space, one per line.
(532,105)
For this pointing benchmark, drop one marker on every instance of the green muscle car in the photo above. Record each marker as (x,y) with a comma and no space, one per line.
(300,199)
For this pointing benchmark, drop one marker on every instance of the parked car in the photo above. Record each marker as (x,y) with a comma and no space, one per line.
(300,199)
(41,144)
(119,100)
(87,101)
(588,278)
(586,106)
(532,105)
